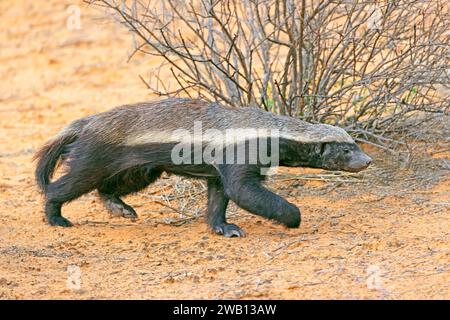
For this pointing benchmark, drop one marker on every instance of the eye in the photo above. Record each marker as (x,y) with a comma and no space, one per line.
(346,151)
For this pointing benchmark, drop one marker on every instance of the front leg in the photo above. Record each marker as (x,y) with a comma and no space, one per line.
(217,206)
(242,184)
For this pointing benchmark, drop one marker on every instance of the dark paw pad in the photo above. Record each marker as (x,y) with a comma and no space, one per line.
(59,221)
(229,230)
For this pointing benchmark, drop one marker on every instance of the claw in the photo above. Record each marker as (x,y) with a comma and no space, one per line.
(229,230)
(129,214)
(119,210)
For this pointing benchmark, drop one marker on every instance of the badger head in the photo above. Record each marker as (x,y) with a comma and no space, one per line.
(342,156)
(322,146)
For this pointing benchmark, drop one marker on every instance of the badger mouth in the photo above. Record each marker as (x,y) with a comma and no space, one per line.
(356,168)
(359,164)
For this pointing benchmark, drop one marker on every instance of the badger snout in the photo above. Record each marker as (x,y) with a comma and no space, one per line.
(359,161)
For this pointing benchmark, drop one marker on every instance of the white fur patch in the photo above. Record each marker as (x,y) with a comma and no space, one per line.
(210,136)
(229,136)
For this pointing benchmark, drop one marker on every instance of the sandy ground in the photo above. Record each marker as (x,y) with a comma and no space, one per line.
(384,237)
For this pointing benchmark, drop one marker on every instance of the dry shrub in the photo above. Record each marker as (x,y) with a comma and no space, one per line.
(377,68)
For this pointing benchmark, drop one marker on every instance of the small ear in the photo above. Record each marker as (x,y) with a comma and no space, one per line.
(320,148)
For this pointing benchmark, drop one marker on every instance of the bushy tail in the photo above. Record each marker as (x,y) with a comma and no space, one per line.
(49,155)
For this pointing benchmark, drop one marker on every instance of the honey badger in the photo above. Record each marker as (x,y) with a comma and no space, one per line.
(123,150)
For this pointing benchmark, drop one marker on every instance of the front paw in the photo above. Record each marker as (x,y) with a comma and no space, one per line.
(229,230)
(290,217)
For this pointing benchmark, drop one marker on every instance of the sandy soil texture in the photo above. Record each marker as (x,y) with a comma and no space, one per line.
(382,236)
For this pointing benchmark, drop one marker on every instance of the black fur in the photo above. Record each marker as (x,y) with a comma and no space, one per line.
(217,206)
(116,170)
(242,184)
(48,158)
(325,155)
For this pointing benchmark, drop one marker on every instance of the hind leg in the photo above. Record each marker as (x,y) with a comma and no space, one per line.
(53,214)
(65,189)
(129,181)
